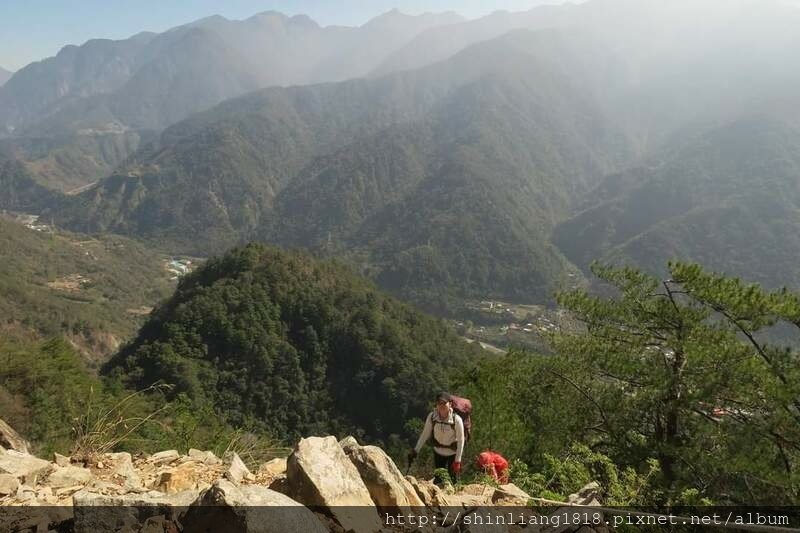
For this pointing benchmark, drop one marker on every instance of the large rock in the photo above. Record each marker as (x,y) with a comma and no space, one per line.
(388,488)
(36,518)
(248,509)
(238,471)
(319,474)
(167,456)
(69,476)
(510,494)
(26,468)
(8,484)
(588,495)
(98,512)
(206,457)
(273,468)
(470,496)
(11,440)
(427,491)
(184,477)
(121,467)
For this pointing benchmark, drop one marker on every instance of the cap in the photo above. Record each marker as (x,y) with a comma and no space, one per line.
(443,396)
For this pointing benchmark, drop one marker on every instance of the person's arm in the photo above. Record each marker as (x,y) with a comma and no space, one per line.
(425,435)
(459,438)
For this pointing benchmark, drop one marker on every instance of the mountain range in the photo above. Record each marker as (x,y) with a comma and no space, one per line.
(5,75)
(612,129)
(362,167)
(116,92)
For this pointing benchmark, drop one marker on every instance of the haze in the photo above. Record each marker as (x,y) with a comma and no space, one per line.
(35,29)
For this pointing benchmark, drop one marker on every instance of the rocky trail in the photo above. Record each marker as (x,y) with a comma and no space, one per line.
(324,485)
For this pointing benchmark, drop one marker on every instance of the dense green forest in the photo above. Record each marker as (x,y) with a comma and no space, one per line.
(281,344)
(667,394)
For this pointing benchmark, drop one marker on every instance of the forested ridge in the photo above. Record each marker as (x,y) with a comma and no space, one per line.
(281,344)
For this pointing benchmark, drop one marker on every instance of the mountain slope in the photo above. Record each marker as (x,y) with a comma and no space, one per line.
(19,189)
(728,198)
(279,342)
(91,290)
(499,140)
(5,75)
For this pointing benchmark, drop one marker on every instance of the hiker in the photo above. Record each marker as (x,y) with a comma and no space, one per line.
(494,465)
(447,429)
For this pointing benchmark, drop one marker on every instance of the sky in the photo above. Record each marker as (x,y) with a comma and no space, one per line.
(31,30)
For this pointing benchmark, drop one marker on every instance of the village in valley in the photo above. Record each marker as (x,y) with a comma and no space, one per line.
(179,267)
(499,325)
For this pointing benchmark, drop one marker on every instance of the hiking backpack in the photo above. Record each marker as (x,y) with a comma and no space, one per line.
(463,408)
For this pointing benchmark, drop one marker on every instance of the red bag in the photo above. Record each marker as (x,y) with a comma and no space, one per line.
(493,464)
(463,408)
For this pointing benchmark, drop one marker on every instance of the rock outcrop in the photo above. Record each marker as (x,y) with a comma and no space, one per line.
(26,468)
(247,509)
(320,475)
(237,471)
(11,440)
(390,491)
(323,485)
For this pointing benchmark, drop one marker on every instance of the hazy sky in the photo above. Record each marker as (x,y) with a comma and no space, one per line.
(34,29)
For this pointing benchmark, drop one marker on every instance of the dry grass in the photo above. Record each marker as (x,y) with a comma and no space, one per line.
(254,450)
(101,429)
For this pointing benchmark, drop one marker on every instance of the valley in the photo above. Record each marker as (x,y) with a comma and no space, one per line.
(584,217)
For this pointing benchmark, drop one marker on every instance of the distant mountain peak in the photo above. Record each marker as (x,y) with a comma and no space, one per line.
(395,16)
(268,16)
(303,20)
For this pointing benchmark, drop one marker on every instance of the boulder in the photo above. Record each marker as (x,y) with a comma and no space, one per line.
(273,468)
(121,468)
(348,443)
(247,509)
(69,476)
(87,498)
(204,457)
(61,460)
(238,471)
(470,496)
(36,518)
(388,488)
(11,440)
(427,491)
(164,457)
(99,512)
(510,494)
(588,495)
(184,477)
(319,474)
(8,484)
(26,468)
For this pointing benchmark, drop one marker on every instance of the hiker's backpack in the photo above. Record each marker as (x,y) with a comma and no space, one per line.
(463,408)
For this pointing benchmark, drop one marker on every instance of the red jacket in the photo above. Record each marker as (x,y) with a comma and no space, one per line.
(493,464)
